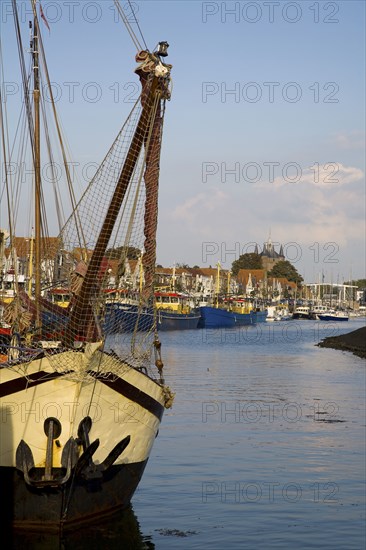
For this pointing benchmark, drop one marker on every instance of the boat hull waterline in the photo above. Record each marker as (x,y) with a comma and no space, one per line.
(332,317)
(177,321)
(212,317)
(127,318)
(92,462)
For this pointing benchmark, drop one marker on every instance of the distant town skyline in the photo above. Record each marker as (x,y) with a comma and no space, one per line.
(265,130)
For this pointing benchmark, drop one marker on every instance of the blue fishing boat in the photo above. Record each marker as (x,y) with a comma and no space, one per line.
(177,321)
(334,316)
(172,309)
(174,312)
(125,317)
(259,315)
(212,317)
(231,313)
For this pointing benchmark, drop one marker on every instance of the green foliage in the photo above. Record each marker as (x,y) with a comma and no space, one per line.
(285,269)
(129,252)
(247,261)
(178,286)
(360,283)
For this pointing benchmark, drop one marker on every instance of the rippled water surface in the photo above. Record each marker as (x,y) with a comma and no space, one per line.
(263,448)
(265,444)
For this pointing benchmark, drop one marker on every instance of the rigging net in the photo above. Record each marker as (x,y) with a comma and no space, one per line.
(109,275)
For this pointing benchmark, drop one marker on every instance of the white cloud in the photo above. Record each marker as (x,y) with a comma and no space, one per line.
(330,174)
(353,140)
(323,220)
(197,206)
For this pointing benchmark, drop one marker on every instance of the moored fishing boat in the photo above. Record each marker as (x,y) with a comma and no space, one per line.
(60,296)
(228,313)
(334,316)
(5,337)
(243,312)
(215,317)
(80,417)
(174,312)
(169,320)
(302,312)
(317,310)
(125,313)
(259,315)
(229,310)
(278,313)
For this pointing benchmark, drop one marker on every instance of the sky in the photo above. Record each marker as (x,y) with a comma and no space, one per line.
(265,132)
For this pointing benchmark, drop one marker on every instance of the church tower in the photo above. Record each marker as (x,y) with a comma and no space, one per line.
(269,255)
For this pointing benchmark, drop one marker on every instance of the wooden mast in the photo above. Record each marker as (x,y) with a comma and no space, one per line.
(37,174)
(218,284)
(30,265)
(81,320)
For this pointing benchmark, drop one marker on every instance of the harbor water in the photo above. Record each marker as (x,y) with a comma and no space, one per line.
(265,444)
(263,448)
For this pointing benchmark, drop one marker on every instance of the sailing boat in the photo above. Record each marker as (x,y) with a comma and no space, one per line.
(80,413)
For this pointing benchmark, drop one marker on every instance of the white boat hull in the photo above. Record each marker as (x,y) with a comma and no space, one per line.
(120,404)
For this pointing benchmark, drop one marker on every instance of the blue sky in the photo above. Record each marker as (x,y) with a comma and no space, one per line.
(265,133)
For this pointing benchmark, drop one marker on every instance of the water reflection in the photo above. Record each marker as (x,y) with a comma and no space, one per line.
(264,446)
(122,531)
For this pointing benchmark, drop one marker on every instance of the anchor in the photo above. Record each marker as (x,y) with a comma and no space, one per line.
(71,462)
(85,465)
(47,476)
(52,428)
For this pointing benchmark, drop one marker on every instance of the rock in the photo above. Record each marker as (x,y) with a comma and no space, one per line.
(353,341)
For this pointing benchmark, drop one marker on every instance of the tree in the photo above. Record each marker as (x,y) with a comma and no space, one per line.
(360,283)
(130,252)
(247,261)
(286,270)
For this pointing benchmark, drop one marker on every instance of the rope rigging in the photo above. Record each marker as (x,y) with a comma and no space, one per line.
(128,26)
(132,166)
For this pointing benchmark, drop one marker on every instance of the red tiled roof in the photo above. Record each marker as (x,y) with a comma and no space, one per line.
(22,245)
(256,274)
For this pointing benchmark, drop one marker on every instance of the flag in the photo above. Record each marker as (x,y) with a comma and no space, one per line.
(44,17)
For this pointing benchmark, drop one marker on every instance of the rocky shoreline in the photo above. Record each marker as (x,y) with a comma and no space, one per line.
(354,342)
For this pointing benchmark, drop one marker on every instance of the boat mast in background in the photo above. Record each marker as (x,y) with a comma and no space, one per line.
(37,170)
